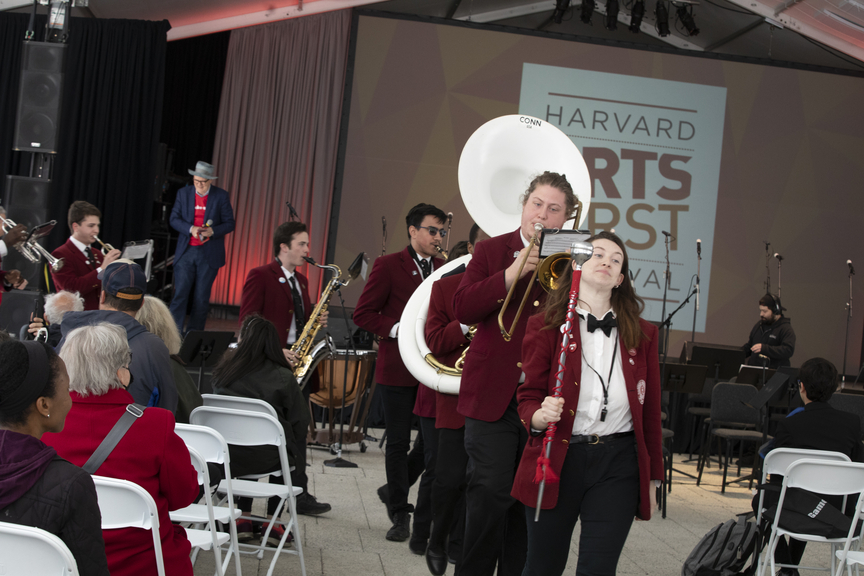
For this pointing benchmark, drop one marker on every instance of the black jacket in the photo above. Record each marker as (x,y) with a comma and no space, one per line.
(63,502)
(778,343)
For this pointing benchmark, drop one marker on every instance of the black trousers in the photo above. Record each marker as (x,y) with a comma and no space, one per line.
(448,493)
(402,468)
(494,521)
(600,484)
(423,509)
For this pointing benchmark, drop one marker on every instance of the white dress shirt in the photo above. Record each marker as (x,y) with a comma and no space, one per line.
(292,330)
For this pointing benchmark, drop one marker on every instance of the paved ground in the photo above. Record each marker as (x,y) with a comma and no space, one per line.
(349,541)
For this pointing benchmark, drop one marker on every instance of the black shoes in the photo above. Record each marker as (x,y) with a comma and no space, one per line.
(436,561)
(309,506)
(417,544)
(400,530)
(384,496)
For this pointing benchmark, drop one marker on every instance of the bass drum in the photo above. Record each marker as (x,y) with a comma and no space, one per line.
(412,334)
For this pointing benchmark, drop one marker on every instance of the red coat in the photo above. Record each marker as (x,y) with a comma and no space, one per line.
(76,275)
(393,280)
(447,342)
(264,294)
(493,366)
(150,455)
(540,351)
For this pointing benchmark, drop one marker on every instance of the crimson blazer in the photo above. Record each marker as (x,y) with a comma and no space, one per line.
(393,279)
(151,455)
(268,293)
(76,275)
(493,366)
(641,368)
(446,341)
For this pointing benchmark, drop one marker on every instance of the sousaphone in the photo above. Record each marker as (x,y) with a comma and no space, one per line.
(498,163)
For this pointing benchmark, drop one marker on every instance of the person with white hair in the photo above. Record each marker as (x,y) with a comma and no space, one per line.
(56,306)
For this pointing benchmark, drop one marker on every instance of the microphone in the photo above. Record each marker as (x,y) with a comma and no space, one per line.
(851,269)
(699,247)
(207,224)
(778,256)
(667,234)
(449,218)
(291,211)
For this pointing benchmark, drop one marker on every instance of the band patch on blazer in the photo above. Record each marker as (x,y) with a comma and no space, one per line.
(640,391)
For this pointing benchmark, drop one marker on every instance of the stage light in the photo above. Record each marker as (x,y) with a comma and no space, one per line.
(587,11)
(611,18)
(561,7)
(685,16)
(661,15)
(636,15)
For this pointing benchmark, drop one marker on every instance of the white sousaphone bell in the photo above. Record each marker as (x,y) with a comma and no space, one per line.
(498,163)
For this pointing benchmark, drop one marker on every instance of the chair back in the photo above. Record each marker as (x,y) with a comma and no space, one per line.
(825,477)
(28,550)
(779,459)
(238,403)
(852,403)
(728,404)
(124,504)
(207,441)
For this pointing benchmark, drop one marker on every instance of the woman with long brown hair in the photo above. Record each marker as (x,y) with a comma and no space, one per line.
(607,447)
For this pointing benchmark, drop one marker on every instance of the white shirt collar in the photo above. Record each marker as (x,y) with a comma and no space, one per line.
(80,245)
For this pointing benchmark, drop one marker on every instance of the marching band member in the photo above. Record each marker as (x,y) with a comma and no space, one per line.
(11,278)
(607,446)
(279,293)
(393,279)
(494,437)
(83,262)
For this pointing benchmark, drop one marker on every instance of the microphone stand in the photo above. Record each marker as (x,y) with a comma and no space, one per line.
(663,311)
(338,462)
(696,308)
(667,325)
(767,269)
(848,319)
(779,267)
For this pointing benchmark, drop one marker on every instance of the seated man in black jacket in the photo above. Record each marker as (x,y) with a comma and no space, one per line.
(772,339)
(817,426)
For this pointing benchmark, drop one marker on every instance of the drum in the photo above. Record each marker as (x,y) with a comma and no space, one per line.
(331,375)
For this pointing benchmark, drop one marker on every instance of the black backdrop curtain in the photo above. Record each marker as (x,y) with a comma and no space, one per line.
(194,70)
(110,119)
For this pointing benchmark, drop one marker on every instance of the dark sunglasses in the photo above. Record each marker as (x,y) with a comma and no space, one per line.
(435,231)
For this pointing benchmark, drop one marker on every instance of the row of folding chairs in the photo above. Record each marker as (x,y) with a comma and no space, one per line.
(125,504)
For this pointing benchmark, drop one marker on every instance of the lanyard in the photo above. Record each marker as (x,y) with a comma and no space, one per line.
(605,386)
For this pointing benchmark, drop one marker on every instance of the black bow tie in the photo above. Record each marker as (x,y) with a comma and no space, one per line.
(606,324)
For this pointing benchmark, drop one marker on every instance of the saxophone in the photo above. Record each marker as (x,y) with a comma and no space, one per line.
(308,353)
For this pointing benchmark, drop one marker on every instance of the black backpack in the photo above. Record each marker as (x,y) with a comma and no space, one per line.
(724,550)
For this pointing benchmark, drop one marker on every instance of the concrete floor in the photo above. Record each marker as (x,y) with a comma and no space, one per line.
(349,540)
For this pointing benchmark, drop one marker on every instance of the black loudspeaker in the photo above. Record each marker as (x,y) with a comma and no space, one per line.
(26,202)
(16,308)
(40,93)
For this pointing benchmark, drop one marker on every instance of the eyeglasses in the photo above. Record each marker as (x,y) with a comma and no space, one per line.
(200,181)
(435,231)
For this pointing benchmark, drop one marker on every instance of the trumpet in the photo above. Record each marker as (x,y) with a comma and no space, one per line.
(105,247)
(32,250)
(442,252)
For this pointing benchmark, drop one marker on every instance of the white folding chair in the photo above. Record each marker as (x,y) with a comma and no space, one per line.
(28,550)
(821,477)
(245,428)
(213,448)
(124,504)
(238,403)
(777,462)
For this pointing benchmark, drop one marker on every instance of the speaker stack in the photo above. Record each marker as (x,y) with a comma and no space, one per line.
(39,97)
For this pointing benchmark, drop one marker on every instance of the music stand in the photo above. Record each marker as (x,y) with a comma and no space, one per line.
(203,349)
(724,361)
(755,375)
(686,379)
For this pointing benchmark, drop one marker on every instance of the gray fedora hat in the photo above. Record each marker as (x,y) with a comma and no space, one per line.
(204,170)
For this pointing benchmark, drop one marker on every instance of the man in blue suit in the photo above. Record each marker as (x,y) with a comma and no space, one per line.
(203,216)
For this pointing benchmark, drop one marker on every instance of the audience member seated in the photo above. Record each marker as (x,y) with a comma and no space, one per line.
(155,316)
(149,454)
(817,427)
(37,487)
(56,306)
(257,368)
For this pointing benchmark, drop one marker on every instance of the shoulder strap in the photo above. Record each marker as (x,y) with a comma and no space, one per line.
(132,413)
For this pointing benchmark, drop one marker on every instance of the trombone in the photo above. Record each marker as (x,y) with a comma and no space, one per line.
(105,247)
(32,250)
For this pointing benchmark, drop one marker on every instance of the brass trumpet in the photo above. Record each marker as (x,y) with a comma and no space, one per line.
(32,250)
(105,247)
